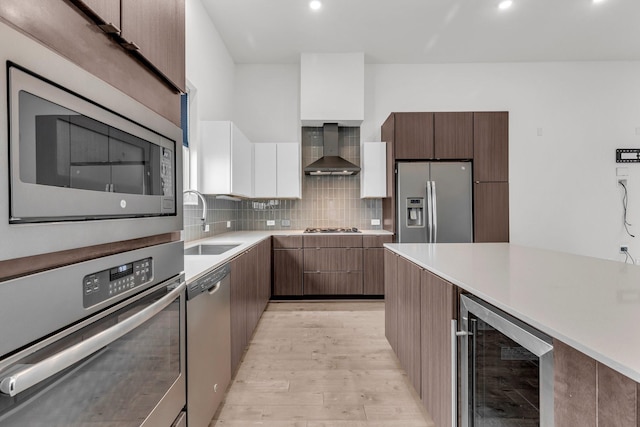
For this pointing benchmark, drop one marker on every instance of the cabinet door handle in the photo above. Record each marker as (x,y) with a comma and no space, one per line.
(110,28)
(130,46)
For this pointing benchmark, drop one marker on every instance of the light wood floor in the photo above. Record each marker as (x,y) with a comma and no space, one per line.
(320,364)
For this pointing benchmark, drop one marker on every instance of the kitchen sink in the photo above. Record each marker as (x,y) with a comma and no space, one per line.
(210,249)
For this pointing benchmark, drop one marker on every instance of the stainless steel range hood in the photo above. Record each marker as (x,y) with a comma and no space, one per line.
(331,163)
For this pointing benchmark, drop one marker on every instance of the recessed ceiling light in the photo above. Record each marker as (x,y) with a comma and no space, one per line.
(598,1)
(505,4)
(315,4)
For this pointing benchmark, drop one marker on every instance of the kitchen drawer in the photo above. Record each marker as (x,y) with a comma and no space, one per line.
(340,241)
(287,242)
(332,259)
(333,283)
(376,241)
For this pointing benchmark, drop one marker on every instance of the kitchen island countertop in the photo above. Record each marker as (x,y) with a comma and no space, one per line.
(197,265)
(588,303)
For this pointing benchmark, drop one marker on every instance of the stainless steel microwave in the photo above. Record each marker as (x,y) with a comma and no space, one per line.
(81,162)
(72,159)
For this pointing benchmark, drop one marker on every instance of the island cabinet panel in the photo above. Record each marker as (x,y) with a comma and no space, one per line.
(409,348)
(437,302)
(413,136)
(453,135)
(373,263)
(391,298)
(617,398)
(287,265)
(590,394)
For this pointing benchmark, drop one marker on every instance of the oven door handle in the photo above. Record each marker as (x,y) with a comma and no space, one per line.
(31,375)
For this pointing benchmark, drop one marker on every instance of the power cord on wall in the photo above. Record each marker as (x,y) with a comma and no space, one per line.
(628,256)
(625,201)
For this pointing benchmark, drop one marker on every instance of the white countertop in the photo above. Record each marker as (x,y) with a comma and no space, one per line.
(197,265)
(588,303)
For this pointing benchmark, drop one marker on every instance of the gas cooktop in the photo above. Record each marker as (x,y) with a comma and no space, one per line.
(332,230)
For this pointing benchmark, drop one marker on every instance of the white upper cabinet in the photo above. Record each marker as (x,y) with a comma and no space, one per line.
(277,170)
(373,176)
(288,170)
(332,88)
(225,160)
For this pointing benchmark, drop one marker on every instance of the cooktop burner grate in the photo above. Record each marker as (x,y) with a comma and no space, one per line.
(332,230)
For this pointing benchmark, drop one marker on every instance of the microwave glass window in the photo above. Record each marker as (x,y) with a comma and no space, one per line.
(62,148)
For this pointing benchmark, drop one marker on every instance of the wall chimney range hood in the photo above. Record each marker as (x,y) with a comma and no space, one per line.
(331,163)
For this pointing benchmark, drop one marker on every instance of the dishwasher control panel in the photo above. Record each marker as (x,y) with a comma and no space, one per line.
(207,281)
(105,284)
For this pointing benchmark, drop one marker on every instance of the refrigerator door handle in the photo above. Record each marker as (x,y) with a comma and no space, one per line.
(434,208)
(429,214)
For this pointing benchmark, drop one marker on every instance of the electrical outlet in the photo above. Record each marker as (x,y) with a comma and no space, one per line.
(624,249)
(375,222)
(286,223)
(228,224)
(206,228)
(271,223)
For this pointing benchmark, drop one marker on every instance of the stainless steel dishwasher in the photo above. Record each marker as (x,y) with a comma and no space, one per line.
(208,345)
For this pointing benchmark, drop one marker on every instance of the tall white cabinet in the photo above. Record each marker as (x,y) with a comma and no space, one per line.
(277,170)
(373,176)
(225,160)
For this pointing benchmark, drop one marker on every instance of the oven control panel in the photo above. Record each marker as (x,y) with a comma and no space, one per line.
(105,284)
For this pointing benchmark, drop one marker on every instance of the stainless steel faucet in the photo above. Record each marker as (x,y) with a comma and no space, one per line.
(204,207)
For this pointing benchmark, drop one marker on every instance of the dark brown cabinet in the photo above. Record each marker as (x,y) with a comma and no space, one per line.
(482,137)
(250,292)
(413,136)
(373,264)
(437,311)
(491,146)
(332,265)
(391,298)
(409,347)
(264,275)
(154,29)
(453,135)
(419,309)
(287,265)
(60,26)
(239,305)
(108,10)
(157,28)
(491,212)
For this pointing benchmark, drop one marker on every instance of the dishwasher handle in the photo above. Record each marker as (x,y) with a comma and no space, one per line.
(31,375)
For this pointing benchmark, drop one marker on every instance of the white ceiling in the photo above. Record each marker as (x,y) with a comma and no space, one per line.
(429,31)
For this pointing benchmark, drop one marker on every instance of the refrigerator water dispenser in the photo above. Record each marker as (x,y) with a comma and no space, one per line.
(415,212)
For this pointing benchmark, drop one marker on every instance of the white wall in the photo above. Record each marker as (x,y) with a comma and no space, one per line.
(267,102)
(210,73)
(563,192)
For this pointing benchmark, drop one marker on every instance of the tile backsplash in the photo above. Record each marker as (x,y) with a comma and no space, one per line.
(327,201)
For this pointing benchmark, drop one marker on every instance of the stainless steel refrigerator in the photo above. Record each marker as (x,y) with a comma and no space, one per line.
(434,202)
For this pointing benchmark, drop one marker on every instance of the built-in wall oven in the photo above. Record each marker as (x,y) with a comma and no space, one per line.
(506,369)
(100,342)
(82,163)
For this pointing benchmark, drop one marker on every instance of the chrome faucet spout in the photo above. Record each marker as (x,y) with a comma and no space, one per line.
(204,207)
